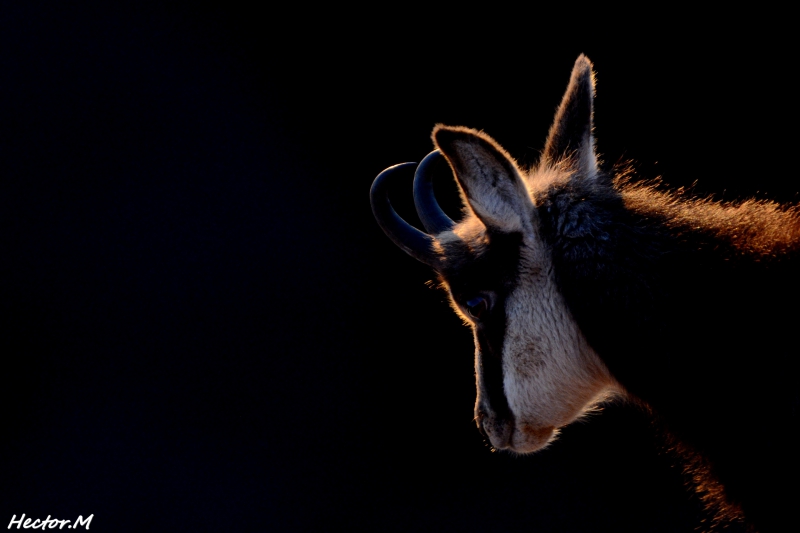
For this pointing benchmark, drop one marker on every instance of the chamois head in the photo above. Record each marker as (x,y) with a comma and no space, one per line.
(535,370)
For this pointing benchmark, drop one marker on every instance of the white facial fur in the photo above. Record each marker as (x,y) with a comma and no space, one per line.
(551,376)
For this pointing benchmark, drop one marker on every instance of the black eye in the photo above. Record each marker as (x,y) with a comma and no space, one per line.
(477,306)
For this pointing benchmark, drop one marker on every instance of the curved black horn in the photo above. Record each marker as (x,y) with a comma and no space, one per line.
(415,243)
(433,218)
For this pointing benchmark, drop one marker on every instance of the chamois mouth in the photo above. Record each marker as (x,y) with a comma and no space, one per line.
(515,436)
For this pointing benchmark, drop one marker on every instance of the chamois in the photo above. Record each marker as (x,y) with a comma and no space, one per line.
(581,284)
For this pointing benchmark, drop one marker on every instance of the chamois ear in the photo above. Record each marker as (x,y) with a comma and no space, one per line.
(489,179)
(571,136)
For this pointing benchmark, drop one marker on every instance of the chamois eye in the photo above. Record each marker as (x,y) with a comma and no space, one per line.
(477,306)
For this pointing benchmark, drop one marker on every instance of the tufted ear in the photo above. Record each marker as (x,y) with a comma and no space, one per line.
(489,179)
(571,135)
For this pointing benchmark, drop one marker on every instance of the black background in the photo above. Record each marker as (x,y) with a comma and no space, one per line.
(205,330)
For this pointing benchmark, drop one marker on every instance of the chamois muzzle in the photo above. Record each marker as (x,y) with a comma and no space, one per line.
(415,243)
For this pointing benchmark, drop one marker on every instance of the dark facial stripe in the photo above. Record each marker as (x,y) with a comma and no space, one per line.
(490,267)
(490,366)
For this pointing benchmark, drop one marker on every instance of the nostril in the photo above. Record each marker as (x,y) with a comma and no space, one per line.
(479,419)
